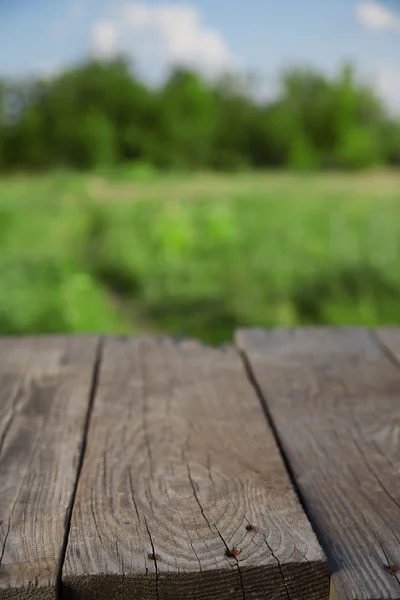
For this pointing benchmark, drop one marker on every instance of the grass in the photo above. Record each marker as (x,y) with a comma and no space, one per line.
(197,255)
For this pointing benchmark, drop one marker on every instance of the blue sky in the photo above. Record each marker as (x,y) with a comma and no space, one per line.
(257,35)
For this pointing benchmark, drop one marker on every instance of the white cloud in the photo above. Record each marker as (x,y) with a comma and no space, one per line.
(388,83)
(164,34)
(375,16)
(104,38)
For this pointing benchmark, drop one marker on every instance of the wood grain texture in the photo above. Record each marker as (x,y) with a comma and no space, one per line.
(334,398)
(44,394)
(179,459)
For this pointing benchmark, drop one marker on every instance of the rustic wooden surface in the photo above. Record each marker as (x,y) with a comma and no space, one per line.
(44,392)
(334,399)
(179,460)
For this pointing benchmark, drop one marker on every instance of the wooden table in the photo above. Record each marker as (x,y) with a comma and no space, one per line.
(157,469)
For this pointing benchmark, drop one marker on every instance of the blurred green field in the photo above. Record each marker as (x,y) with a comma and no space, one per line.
(130,251)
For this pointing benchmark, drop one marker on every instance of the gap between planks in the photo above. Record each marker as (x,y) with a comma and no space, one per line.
(264,405)
(92,396)
(45,385)
(270,420)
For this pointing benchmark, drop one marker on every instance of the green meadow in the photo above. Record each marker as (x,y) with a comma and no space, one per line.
(131,251)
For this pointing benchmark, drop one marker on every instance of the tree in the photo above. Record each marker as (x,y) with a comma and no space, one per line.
(98,113)
(188,119)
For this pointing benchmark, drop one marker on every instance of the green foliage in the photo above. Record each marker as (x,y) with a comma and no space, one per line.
(302,154)
(95,145)
(359,148)
(98,114)
(390,133)
(188,120)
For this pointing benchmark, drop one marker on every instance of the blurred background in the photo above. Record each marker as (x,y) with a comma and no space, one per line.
(193,167)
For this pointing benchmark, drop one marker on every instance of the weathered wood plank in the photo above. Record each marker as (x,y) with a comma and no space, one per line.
(179,460)
(334,398)
(389,340)
(44,395)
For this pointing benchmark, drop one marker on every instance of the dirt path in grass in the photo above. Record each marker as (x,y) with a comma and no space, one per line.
(199,186)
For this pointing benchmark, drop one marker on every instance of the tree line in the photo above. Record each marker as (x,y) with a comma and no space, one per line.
(101,113)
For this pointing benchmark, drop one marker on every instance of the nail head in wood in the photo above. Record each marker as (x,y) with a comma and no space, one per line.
(234,552)
(153,556)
